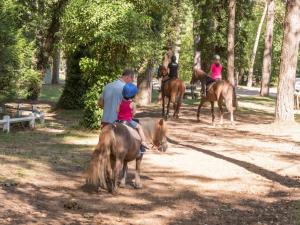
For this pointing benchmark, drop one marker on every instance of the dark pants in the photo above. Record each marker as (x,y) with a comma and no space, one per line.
(205,82)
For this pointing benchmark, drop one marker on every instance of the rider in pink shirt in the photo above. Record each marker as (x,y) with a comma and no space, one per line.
(215,74)
(216,68)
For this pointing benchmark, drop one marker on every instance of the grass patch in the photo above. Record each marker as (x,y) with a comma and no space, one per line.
(51,93)
(267,101)
(191,101)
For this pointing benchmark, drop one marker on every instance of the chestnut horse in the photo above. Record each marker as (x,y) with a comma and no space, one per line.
(172,89)
(218,92)
(119,144)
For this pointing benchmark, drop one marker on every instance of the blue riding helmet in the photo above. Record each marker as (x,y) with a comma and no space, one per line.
(129,90)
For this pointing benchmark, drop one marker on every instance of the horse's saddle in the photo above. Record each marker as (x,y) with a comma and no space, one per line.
(210,85)
(133,132)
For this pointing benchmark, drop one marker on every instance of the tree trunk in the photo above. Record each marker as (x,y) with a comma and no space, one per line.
(48,41)
(253,56)
(266,70)
(197,53)
(56,66)
(145,86)
(284,111)
(230,47)
(177,43)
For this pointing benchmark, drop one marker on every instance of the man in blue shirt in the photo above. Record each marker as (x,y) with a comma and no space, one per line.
(112,96)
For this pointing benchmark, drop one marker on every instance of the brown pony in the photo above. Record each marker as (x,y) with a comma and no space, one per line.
(118,145)
(173,89)
(217,92)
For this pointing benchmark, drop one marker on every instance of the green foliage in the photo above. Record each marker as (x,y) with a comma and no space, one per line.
(109,37)
(187,44)
(75,87)
(32,84)
(16,55)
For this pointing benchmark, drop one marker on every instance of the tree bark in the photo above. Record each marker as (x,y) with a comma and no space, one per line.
(56,66)
(254,51)
(230,47)
(284,111)
(197,53)
(48,41)
(177,43)
(267,60)
(145,86)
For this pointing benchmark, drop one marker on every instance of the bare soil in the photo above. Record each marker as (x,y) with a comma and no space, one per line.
(232,175)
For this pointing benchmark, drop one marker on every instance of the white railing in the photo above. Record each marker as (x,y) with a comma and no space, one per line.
(7,121)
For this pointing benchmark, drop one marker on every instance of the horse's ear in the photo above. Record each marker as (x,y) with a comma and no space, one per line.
(161,122)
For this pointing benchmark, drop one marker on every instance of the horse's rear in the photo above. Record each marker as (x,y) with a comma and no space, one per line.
(113,147)
(118,145)
(174,90)
(223,91)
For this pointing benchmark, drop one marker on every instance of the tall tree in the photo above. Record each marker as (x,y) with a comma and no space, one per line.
(48,39)
(254,51)
(267,59)
(56,65)
(284,110)
(144,96)
(230,40)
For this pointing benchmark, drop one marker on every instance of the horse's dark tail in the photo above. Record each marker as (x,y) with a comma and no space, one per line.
(100,171)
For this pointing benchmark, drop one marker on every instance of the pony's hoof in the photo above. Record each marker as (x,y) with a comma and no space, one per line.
(138,186)
(198,120)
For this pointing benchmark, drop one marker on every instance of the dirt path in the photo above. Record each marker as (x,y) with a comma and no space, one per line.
(243,174)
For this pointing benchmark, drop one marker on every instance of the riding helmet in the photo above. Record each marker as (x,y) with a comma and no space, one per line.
(129,90)
(217,57)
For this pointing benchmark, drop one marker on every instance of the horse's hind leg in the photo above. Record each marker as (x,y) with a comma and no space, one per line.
(229,106)
(199,108)
(212,112)
(168,107)
(116,173)
(220,102)
(124,175)
(138,183)
(163,105)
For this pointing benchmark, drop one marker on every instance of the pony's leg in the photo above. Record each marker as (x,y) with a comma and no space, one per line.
(124,175)
(138,183)
(199,108)
(117,169)
(221,111)
(213,112)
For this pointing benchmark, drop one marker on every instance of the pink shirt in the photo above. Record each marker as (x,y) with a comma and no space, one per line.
(125,111)
(216,71)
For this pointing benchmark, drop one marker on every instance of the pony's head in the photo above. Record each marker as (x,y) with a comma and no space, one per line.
(160,135)
(197,75)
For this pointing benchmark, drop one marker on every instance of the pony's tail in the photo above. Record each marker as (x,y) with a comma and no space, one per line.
(99,172)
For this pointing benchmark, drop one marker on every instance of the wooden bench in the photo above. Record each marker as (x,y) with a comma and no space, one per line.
(15,113)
